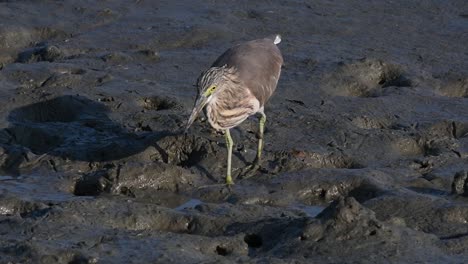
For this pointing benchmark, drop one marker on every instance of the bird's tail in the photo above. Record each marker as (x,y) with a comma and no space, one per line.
(275,38)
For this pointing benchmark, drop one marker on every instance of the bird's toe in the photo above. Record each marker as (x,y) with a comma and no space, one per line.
(250,170)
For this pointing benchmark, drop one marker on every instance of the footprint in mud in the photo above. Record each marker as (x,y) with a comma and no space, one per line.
(191,152)
(374,122)
(444,138)
(427,186)
(365,78)
(183,150)
(454,87)
(287,161)
(320,186)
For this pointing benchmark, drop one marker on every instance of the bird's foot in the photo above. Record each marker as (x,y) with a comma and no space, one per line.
(226,185)
(229,183)
(250,170)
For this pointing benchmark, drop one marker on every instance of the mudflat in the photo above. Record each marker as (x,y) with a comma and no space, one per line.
(366,142)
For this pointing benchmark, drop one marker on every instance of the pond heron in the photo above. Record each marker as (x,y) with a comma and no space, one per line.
(238,85)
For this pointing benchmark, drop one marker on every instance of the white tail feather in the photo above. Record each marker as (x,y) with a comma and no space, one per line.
(277,39)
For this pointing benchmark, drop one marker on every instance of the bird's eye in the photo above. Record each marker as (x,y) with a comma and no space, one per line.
(210,90)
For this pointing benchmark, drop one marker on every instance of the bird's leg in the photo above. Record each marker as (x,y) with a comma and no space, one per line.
(261,127)
(229,145)
(252,169)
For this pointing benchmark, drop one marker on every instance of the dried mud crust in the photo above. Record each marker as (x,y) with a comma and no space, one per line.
(366,141)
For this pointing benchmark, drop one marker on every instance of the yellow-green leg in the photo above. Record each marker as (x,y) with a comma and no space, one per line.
(252,169)
(260,139)
(229,145)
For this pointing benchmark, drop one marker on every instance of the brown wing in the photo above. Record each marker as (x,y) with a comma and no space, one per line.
(258,63)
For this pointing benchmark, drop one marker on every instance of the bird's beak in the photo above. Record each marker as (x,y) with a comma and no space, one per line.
(201,102)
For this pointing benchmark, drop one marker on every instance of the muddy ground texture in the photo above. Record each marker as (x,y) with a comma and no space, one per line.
(366,154)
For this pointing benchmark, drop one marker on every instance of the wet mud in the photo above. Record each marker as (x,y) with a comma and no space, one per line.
(366,143)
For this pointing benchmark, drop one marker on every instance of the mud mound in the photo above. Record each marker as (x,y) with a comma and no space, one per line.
(344,222)
(42,52)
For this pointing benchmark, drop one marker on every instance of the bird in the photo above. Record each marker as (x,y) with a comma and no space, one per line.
(236,86)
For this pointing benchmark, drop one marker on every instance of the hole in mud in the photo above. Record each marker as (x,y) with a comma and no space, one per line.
(364,192)
(323,194)
(93,184)
(79,259)
(127,192)
(459,129)
(34,213)
(83,188)
(78,71)
(191,226)
(430,148)
(193,158)
(253,240)
(183,151)
(393,77)
(222,251)
(159,103)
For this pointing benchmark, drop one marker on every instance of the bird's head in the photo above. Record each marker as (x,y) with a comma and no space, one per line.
(209,84)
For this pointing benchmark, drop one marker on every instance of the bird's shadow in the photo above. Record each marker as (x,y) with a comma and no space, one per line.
(70,127)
